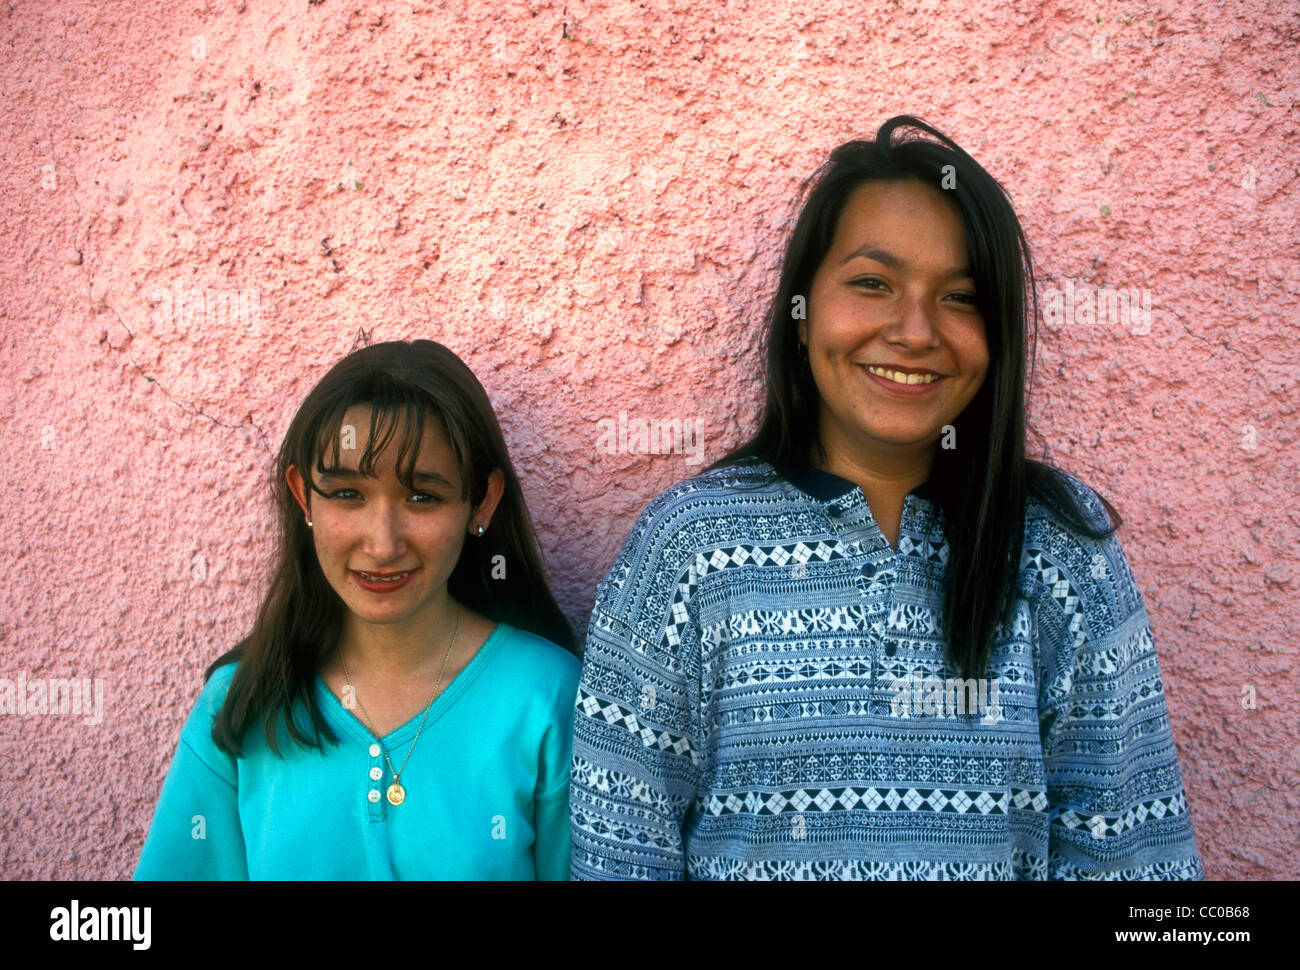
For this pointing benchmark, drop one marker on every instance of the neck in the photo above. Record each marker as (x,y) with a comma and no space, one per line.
(401,649)
(887,477)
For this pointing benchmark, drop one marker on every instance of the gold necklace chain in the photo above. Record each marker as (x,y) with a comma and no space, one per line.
(396,793)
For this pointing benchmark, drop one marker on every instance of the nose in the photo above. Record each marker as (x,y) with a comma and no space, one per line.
(385,532)
(914,326)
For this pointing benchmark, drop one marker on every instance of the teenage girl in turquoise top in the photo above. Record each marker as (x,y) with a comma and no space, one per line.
(402,708)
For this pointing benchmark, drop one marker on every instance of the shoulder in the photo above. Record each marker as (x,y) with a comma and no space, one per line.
(535,681)
(212,697)
(1065,516)
(196,734)
(705,512)
(1072,558)
(712,507)
(535,662)
(730,485)
(221,677)
(1055,498)
(681,536)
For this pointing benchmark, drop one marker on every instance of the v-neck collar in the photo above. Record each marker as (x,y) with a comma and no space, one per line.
(350,724)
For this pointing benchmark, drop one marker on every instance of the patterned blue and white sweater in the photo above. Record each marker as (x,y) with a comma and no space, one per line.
(764,696)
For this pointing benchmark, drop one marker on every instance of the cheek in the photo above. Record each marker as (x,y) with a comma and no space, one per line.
(825,355)
(325,542)
(976,365)
(441,536)
(841,324)
(818,329)
(972,350)
(984,366)
(330,534)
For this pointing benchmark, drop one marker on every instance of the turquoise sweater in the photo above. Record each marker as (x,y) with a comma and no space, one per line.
(487,786)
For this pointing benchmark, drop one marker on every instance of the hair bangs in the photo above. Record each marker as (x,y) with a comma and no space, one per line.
(399,417)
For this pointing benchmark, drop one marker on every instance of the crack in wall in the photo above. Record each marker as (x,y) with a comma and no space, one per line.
(83,229)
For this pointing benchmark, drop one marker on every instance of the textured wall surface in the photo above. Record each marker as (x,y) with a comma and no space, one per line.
(204,203)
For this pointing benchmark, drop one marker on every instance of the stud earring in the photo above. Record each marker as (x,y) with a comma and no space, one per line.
(309,523)
(479,531)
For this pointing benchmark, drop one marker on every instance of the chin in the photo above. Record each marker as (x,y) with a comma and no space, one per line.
(380,618)
(894,438)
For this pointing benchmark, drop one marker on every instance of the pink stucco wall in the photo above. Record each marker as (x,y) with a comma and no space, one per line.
(586,200)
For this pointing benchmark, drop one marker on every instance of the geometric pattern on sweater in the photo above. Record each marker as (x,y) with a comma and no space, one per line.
(618,715)
(1022,865)
(872,799)
(765,695)
(1060,589)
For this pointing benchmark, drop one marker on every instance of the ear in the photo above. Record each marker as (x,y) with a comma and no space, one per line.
(299,489)
(496,487)
(803,333)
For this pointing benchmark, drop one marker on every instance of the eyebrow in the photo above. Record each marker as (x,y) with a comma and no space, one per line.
(893,262)
(351,474)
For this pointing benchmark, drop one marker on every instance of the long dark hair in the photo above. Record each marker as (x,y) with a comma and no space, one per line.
(301,618)
(982,484)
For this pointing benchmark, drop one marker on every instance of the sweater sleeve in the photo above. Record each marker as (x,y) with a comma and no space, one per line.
(1117,807)
(196,832)
(635,766)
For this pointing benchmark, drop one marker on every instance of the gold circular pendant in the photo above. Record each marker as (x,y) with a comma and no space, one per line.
(396,794)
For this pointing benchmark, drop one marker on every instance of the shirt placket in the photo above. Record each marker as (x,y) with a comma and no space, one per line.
(349,726)
(875,568)
(375,779)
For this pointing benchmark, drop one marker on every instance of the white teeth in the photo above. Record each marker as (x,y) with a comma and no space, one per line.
(898,377)
(382,579)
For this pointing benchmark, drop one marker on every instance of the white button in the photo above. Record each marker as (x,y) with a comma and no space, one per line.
(376,773)
(374,795)
(375,751)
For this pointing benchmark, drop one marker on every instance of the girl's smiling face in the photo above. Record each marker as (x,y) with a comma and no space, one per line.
(895,340)
(387,549)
